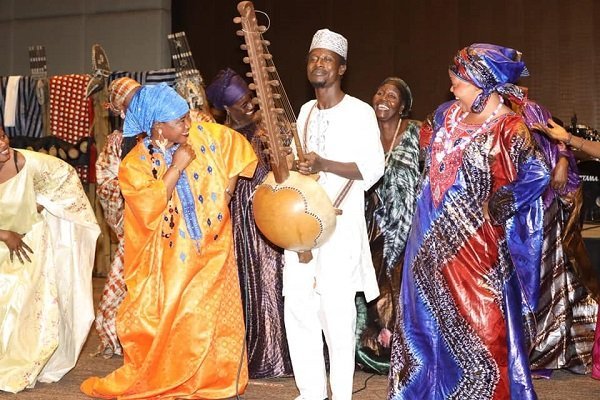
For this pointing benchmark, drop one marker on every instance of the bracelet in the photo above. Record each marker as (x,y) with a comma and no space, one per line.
(568,141)
(177,168)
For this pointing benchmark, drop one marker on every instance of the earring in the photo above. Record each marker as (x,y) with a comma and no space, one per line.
(162,142)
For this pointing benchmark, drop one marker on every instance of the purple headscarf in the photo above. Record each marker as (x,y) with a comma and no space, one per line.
(226,89)
(491,68)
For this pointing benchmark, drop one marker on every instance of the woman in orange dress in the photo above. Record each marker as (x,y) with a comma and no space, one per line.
(181,323)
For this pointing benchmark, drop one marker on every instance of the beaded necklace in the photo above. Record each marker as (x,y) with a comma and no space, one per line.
(450,144)
(169,219)
(447,151)
(153,160)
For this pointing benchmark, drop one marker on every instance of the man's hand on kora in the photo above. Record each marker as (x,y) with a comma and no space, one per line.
(312,164)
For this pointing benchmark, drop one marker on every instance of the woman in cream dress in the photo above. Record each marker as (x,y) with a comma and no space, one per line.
(48,235)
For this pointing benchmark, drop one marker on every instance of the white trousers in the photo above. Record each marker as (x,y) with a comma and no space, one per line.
(307,315)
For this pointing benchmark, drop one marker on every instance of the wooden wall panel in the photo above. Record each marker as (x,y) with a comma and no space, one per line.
(133,33)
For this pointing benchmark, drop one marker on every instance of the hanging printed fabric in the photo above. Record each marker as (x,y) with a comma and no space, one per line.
(28,112)
(71,115)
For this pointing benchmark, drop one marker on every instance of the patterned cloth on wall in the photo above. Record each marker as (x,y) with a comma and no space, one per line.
(71,112)
(28,120)
(147,77)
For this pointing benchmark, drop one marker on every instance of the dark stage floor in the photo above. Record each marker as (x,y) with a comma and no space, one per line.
(563,385)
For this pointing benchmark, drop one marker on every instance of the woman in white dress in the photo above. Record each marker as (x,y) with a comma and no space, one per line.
(48,237)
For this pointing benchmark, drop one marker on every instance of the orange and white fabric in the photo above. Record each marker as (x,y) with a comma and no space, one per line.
(109,196)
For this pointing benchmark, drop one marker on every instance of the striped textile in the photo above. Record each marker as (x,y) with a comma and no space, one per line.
(566,314)
(28,120)
(147,77)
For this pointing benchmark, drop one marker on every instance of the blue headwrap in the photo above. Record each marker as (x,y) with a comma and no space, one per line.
(153,103)
(491,68)
(161,103)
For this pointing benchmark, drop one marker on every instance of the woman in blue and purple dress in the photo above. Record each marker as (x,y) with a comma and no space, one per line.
(471,272)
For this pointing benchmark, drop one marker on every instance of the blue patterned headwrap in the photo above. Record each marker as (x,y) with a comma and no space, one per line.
(226,89)
(491,68)
(153,103)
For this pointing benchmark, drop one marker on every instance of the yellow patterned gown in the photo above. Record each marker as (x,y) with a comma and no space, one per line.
(181,323)
(46,306)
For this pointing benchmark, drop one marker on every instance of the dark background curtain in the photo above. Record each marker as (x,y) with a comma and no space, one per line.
(415,40)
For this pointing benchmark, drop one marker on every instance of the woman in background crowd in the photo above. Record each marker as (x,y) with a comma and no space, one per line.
(389,205)
(260,263)
(566,314)
(120,93)
(591,148)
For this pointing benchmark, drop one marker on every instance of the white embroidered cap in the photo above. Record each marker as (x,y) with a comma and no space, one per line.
(326,39)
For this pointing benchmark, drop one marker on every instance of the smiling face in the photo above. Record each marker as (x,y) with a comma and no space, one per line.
(324,68)
(175,131)
(4,148)
(463,91)
(387,102)
(242,111)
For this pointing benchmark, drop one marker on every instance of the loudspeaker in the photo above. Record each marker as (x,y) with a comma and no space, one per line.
(589,171)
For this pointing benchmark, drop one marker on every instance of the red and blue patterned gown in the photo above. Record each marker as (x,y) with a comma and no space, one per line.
(470,285)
